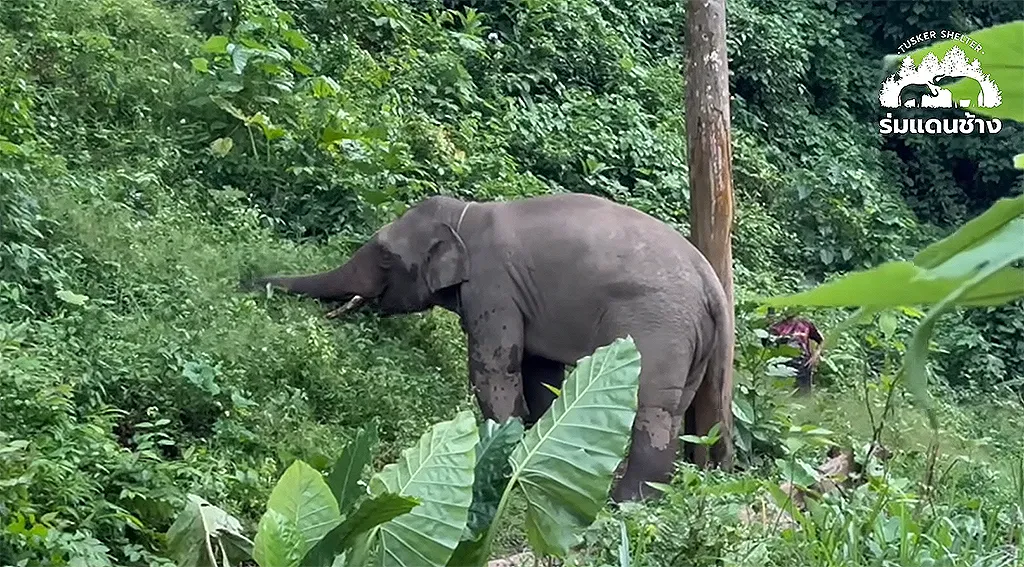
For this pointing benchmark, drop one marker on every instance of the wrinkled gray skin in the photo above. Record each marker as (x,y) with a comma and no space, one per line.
(538,284)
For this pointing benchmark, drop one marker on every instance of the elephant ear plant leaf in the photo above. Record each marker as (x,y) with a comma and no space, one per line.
(491,476)
(203,535)
(441,503)
(565,463)
(300,512)
(278,541)
(438,472)
(345,474)
(369,514)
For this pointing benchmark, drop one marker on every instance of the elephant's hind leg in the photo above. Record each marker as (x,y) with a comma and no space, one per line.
(654,445)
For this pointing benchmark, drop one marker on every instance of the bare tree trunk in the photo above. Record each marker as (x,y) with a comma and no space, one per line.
(709,149)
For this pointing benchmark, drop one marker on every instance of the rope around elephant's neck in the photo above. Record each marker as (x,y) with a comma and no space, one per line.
(458,225)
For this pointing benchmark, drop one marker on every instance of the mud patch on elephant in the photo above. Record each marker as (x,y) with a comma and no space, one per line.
(656,422)
(515,359)
(477,366)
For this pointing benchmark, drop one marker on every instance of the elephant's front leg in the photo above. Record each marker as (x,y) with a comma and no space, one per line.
(495,365)
(538,371)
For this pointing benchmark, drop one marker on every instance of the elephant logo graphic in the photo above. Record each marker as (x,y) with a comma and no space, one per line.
(926,86)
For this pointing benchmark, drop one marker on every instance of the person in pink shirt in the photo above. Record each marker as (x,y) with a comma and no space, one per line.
(798,332)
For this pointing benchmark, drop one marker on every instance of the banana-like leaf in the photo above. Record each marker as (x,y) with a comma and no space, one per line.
(564,464)
(493,470)
(938,271)
(974,232)
(203,535)
(300,511)
(895,284)
(438,471)
(344,477)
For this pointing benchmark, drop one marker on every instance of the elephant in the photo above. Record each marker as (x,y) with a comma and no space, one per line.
(916,91)
(540,282)
(932,90)
(974,96)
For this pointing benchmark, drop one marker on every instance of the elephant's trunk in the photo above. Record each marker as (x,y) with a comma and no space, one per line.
(361,276)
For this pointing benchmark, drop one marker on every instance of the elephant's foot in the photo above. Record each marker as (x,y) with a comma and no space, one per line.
(633,489)
(652,455)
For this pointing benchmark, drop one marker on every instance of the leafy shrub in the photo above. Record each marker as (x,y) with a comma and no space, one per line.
(457,479)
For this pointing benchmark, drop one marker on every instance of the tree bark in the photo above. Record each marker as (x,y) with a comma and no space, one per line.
(709,149)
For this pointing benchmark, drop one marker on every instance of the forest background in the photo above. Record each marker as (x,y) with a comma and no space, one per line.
(145,169)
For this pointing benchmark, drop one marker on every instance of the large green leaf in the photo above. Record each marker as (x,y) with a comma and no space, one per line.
(902,283)
(371,513)
(1006,242)
(203,535)
(490,478)
(439,472)
(493,470)
(278,541)
(344,477)
(564,464)
(972,233)
(937,271)
(300,511)
(996,259)
(1002,60)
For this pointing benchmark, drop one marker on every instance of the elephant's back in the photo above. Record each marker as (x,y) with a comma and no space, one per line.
(586,226)
(621,251)
(588,216)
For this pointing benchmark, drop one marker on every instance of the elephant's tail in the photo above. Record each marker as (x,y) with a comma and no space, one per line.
(719,377)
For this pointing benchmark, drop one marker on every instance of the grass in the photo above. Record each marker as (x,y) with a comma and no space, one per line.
(286,382)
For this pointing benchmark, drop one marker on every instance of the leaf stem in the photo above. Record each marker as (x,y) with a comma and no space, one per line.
(493,528)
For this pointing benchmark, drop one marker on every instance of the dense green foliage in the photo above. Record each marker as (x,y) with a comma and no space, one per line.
(458,479)
(152,154)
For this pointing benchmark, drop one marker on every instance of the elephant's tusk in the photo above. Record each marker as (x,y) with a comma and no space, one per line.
(354,303)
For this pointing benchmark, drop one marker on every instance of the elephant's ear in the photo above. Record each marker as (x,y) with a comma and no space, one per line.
(447,260)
